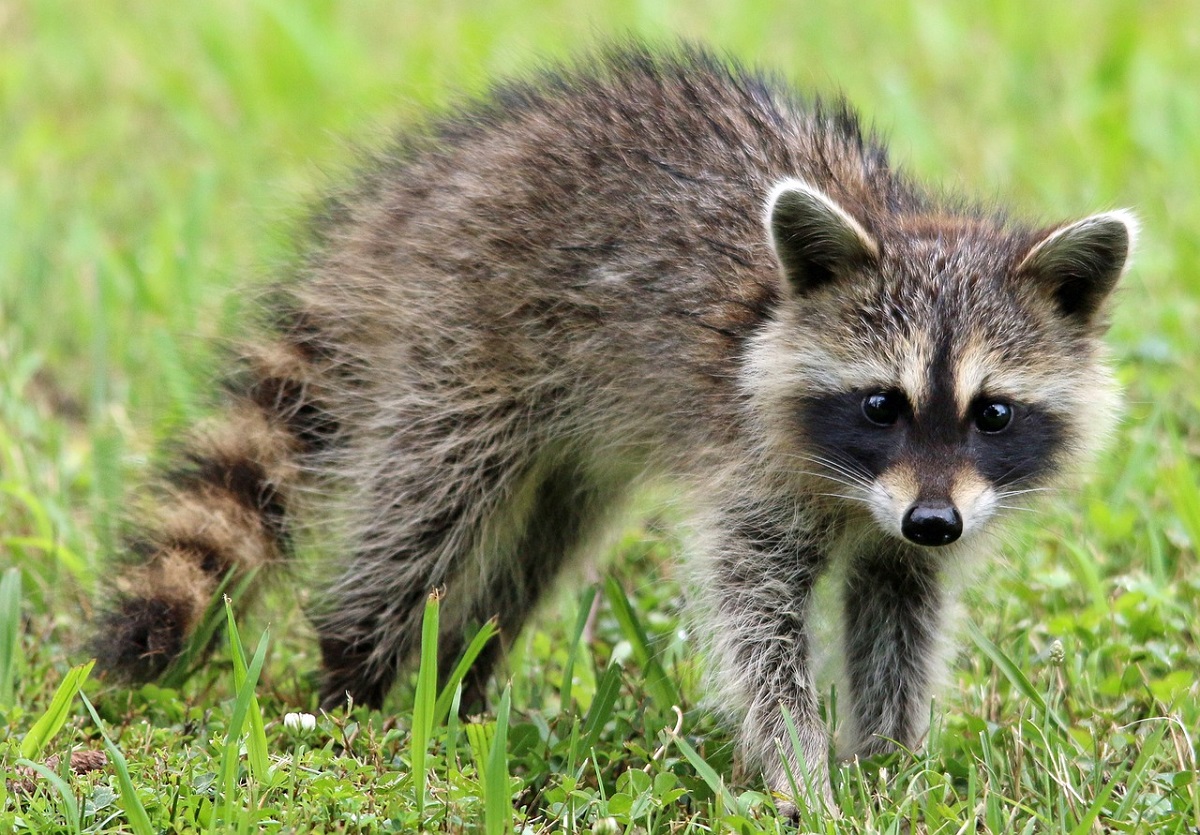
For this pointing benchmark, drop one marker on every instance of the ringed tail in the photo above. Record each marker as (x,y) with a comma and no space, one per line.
(221,510)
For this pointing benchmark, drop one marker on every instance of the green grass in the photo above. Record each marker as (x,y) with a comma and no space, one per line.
(154,156)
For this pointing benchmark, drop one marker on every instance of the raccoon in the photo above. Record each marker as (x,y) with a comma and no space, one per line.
(649,266)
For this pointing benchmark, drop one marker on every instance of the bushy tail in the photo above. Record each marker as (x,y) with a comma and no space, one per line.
(221,512)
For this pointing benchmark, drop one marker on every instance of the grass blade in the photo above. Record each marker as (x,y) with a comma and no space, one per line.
(814,805)
(135,812)
(568,680)
(1140,773)
(10,633)
(256,743)
(60,786)
(479,740)
(1019,680)
(1088,820)
(424,707)
(442,709)
(658,684)
(52,720)
(231,753)
(452,766)
(706,771)
(497,791)
(602,707)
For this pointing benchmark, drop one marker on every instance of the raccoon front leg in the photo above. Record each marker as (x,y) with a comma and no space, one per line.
(760,585)
(894,611)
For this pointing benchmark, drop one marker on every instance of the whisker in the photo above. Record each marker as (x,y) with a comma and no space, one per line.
(847,469)
(832,478)
(842,496)
(835,474)
(1017,481)
(1023,492)
(843,463)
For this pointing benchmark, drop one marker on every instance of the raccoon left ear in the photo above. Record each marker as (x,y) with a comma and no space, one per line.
(1082,262)
(814,238)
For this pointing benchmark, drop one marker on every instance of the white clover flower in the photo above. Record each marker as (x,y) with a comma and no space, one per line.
(606,826)
(299,721)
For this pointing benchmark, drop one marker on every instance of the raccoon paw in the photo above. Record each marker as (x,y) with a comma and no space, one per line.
(820,801)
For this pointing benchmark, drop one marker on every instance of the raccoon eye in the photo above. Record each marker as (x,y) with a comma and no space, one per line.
(993,417)
(882,408)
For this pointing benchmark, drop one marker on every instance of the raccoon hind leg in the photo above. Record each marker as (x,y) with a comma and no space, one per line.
(420,504)
(565,513)
(496,542)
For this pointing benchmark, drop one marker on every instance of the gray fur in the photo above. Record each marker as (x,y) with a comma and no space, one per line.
(568,289)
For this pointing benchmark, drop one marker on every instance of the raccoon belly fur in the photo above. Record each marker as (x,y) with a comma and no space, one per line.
(648,266)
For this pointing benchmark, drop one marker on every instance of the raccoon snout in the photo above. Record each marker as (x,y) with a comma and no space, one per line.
(932,524)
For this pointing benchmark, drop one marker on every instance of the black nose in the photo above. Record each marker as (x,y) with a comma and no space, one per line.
(932,524)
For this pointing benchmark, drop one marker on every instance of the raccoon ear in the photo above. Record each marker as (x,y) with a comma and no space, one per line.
(1080,263)
(814,238)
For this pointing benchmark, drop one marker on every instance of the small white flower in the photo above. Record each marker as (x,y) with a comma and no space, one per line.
(299,721)
(606,826)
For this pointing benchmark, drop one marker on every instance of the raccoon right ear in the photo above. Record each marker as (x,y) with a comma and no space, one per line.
(814,238)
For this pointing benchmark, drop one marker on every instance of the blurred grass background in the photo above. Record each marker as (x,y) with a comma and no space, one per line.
(155,157)
(153,154)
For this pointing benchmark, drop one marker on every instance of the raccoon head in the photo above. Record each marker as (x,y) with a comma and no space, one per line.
(933,368)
